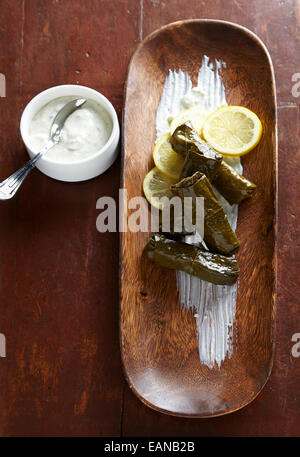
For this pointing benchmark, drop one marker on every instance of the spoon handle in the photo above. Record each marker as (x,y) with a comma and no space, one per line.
(9,187)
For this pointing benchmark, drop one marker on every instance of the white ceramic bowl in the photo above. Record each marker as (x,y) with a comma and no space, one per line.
(86,168)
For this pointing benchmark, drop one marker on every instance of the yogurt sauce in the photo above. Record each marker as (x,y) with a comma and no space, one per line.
(193,98)
(85,131)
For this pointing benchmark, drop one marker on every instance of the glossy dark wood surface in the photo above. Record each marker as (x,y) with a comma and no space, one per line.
(58,276)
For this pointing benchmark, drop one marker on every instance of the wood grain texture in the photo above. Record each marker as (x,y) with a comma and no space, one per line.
(59,304)
(158,339)
(274,412)
(48,42)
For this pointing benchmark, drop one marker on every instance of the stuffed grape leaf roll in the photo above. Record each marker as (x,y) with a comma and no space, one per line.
(218,235)
(172,254)
(199,156)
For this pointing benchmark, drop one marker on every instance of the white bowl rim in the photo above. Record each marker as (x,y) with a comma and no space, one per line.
(115,123)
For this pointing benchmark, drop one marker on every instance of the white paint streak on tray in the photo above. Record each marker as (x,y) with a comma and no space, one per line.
(214,306)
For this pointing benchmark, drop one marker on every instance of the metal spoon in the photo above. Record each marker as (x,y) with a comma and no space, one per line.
(9,187)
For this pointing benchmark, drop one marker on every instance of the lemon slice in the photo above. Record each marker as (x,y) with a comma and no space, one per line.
(166,160)
(196,116)
(157,185)
(232,130)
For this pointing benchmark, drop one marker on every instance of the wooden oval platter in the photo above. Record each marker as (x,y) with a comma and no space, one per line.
(158,338)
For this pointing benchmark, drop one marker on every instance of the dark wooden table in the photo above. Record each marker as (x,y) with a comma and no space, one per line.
(62,374)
